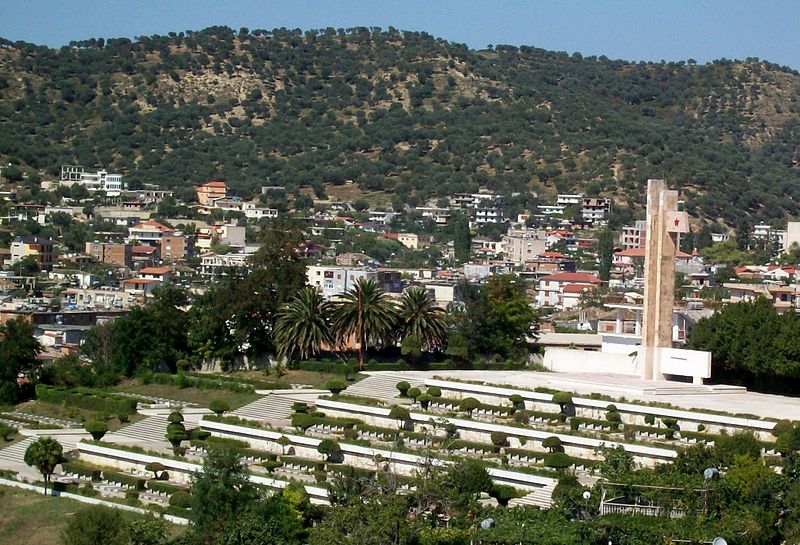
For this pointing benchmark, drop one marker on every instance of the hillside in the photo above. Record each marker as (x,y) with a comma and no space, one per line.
(406,114)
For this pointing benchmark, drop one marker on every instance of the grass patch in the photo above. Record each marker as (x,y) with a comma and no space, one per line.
(295,376)
(36,519)
(190,395)
(75,414)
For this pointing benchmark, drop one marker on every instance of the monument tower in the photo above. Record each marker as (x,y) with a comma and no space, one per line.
(664,225)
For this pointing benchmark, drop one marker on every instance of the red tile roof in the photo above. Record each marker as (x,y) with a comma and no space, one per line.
(577,288)
(572,277)
(155,270)
(143,250)
(155,225)
(214,184)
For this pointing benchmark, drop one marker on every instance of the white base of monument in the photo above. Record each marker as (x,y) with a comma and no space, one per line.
(624,357)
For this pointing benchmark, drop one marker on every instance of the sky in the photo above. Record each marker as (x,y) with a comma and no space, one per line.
(649,30)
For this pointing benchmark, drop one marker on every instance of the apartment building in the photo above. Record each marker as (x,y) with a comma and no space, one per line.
(120,255)
(209,192)
(333,281)
(100,180)
(521,246)
(149,232)
(38,248)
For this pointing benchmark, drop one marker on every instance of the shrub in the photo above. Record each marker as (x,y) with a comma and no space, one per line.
(123,417)
(181,499)
(271,465)
(451,430)
(701,427)
(499,439)
(503,493)
(95,524)
(424,400)
(574,423)
(302,421)
(400,414)
(87,398)
(562,398)
(469,404)
(781,427)
(320,476)
(300,407)
(670,423)
(403,387)
(7,432)
(97,429)
(552,443)
(611,408)
(434,391)
(413,393)
(336,385)
(175,436)
(156,467)
(558,460)
(329,448)
(175,417)
(649,419)
(219,407)
(517,402)
(613,416)
(522,417)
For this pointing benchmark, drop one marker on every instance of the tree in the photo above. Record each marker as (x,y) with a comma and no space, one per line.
(462,238)
(422,320)
(221,493)
(605,251)
(303,325)
(18,350)
(367,314)
(329,448)
(95,525)
(45,454)
(149,531)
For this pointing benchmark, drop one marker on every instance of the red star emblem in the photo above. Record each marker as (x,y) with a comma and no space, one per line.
(677,222)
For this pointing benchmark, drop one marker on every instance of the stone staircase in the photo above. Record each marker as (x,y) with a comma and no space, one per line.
(277,405)
(16,452)
(382,385)
(541,497)
(151,429)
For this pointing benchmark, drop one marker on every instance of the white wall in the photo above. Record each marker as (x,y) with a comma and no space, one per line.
(566,360)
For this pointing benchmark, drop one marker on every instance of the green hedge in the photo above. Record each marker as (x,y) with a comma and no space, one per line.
(161,486)
(87,398)
(324,366)
(214,382)
(524,453)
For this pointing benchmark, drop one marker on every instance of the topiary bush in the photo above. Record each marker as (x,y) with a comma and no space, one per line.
(522,417)
(499,439)
(649,419)
(701,427)
(329,448)
(401,414)
(413,393)
(219,407)
(175,417)
(434,391)
(553,444)
(424,400)
(181,499)
(336,385)
(300,407)
(615,418)
(97,429)
(670,423)
(611,408)
(403,387)
(562,398)
(469,404)
(156,467)
(302,421)
(517,402)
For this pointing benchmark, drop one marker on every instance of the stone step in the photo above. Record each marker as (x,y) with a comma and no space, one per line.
(16,452)
(381,386)
(152,428)
(541,497)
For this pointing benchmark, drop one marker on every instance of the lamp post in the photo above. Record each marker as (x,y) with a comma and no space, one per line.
(709,474)
(586,496)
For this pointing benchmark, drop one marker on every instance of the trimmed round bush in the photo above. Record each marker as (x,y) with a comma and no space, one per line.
(176,426)
(558,460)
(611,408)
(336,385)
(701,427)
(781,427)
(403,387)
(175,437)
(424,400)
(613,416)
(97,429)
(413,393)
(649,419)
(434,391)
(219,407)
(329,448)
(562,398)
(175,417)
(522,417)
(302,421)
(574,423)
(670,423)
(300,407)
(123,417)
(181,499)
(156,467)
(469,404)
(399,413)
(499,439)
(553,443)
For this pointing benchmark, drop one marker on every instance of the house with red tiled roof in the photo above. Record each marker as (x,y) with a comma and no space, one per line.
(209,192)
(149,232)
(143,286)
(552,288)
(162,274)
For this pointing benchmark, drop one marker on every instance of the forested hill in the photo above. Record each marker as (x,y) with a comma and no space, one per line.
(407,113)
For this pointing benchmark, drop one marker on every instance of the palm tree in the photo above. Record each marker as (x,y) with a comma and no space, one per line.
(45,454)
(367,313)
(422,320)
(303,325)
